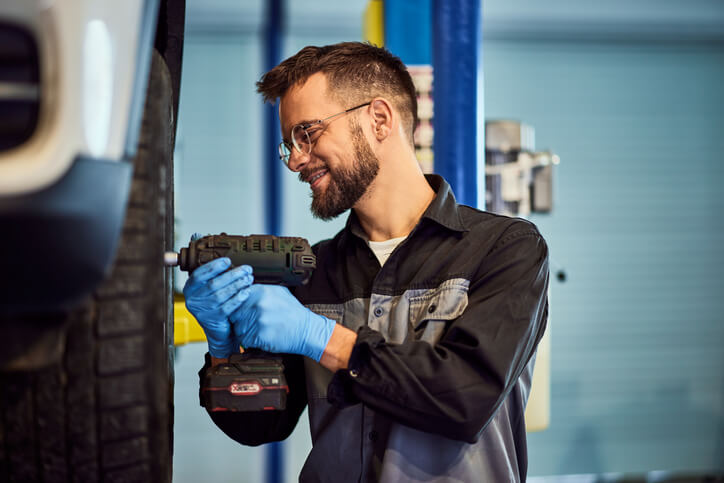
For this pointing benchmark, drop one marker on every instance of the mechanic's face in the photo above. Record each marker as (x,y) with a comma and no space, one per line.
(341,165)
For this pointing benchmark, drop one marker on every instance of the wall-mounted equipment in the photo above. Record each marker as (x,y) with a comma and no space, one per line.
(518,180)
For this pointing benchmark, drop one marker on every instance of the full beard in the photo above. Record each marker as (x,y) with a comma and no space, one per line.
(347,186)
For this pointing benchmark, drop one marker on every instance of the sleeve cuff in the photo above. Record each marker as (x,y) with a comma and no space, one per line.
(340,391)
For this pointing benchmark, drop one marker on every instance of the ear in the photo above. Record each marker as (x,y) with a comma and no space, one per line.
(383,118)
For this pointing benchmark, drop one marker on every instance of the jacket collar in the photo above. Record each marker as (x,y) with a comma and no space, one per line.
(443,209)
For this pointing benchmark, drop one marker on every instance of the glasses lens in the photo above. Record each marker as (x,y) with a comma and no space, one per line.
(300,138)
(284,152)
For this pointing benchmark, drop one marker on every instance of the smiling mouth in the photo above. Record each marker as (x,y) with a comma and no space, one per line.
(314,179)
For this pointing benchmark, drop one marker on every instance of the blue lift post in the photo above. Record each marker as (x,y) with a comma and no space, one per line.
(448,35)
(408,33)
(272,173)
(458,135)
(272,166)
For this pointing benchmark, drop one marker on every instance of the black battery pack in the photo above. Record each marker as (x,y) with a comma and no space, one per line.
(250,381)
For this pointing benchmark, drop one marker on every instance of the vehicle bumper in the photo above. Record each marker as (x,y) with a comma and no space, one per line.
(57,244)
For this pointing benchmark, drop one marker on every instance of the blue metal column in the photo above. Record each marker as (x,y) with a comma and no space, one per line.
(272,199)
(456,61)
(407,30)
(448,35)
(272,56)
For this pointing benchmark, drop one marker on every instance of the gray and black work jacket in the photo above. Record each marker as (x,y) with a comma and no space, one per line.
(440,374)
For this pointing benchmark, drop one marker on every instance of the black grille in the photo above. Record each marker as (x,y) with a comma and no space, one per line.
(19,85)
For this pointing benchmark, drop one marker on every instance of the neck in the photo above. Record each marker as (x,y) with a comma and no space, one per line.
(395,201)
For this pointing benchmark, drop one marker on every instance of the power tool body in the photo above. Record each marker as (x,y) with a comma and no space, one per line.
(252,380)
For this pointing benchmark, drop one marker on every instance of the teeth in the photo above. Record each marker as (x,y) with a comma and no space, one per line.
(316,177)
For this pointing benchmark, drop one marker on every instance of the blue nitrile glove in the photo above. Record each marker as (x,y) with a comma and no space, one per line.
(272,319)
(212,293)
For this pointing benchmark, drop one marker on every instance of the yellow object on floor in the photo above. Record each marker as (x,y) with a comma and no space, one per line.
(186,328)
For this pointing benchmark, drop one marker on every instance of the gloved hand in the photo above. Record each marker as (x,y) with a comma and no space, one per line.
(272,319)
(212,293)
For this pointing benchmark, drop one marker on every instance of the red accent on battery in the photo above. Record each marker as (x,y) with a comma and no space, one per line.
(263,388)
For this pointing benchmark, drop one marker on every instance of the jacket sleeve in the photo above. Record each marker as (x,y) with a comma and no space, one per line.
(454,387)
(259,427)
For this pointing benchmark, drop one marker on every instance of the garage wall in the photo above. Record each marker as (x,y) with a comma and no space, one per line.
(217,169)
(637,330)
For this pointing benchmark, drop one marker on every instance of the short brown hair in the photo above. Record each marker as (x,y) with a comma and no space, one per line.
(356,73)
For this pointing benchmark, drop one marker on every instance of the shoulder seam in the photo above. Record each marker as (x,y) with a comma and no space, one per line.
(512,236)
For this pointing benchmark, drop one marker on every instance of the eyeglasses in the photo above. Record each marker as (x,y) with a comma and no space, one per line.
(303,135)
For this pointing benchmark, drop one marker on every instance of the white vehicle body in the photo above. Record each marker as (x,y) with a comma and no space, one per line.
(88,52)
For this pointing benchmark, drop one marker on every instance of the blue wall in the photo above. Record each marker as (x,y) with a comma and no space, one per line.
(637,330)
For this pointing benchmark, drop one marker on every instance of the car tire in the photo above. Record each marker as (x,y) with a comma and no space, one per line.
(104,411)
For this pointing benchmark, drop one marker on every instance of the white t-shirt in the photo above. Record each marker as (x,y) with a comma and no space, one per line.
(383,249)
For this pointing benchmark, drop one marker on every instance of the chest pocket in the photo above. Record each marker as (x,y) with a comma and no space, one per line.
(432,310)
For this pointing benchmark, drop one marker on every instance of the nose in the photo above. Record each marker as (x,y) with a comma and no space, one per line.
(297,160)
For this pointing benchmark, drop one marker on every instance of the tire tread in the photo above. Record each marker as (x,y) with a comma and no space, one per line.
(104,412)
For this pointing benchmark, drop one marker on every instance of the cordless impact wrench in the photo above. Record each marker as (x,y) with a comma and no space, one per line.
(252,380)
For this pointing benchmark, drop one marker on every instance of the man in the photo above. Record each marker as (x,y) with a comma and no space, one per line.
(413,342)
